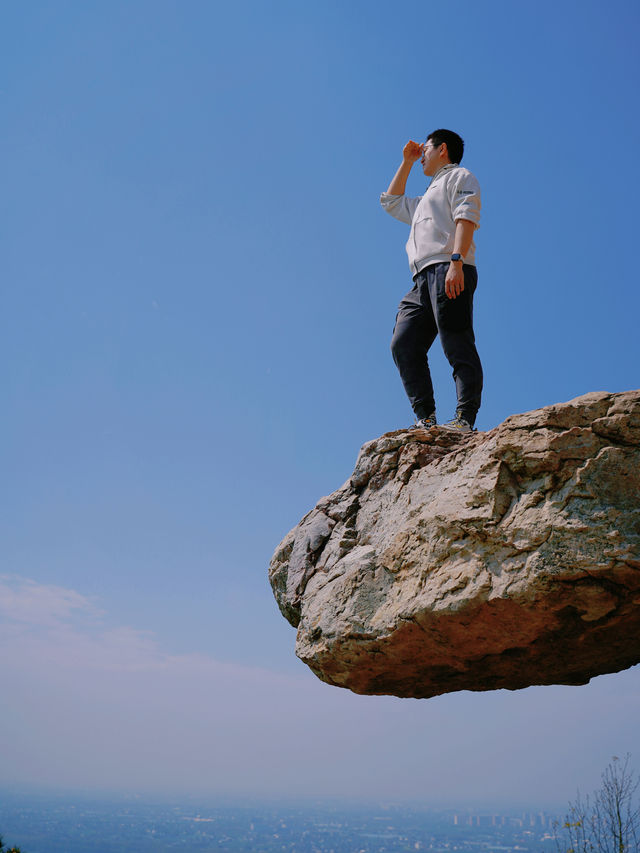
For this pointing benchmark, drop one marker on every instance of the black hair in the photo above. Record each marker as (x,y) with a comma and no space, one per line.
(454,143)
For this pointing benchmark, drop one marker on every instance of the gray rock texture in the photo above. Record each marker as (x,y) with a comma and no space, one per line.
(474,562)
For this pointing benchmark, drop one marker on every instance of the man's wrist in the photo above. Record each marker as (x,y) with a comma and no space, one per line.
(456,258)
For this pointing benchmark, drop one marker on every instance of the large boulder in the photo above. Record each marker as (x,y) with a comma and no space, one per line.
(474,562)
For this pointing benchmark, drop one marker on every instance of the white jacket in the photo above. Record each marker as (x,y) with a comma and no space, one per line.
(454,193)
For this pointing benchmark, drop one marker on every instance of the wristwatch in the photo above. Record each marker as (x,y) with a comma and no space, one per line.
(457,257)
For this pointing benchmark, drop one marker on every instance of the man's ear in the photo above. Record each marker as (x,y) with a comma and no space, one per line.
(444,151)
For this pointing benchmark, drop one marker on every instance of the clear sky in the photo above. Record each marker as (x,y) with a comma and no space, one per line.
(199,288)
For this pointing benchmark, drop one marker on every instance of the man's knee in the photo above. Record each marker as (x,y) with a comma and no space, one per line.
(400,342)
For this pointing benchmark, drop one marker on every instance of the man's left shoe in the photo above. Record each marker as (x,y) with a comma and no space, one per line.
(426,423)
(458,424)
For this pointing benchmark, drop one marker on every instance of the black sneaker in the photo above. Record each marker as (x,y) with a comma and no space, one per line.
(426,423)
(459,424)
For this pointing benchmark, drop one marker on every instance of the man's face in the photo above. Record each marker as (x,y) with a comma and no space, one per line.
(432,158)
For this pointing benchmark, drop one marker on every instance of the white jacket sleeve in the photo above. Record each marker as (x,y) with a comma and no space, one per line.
(399,206)
(465,198)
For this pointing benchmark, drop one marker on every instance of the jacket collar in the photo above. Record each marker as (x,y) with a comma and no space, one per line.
(444,168)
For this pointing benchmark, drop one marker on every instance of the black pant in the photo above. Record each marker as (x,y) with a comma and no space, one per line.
(426,311)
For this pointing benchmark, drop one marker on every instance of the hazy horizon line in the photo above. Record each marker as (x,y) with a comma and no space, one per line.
(252,799)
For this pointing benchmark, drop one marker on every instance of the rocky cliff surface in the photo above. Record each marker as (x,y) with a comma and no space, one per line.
(474,562)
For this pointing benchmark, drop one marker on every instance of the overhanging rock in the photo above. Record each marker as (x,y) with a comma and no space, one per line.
(473,562)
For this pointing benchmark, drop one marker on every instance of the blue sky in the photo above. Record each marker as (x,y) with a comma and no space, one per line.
(199,292)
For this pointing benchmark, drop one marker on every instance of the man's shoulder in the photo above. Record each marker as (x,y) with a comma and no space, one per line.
(462,180)
(459,171)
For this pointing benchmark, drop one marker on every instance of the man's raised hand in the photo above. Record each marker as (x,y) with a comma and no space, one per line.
(412,151)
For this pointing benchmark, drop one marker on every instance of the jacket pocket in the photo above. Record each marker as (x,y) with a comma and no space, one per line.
(428,239)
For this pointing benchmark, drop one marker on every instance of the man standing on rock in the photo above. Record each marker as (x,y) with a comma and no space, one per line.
(442,261)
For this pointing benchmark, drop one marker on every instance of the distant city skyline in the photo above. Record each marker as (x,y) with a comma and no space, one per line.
(88,826)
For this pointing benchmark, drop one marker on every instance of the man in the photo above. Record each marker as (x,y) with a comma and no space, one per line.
(442,261)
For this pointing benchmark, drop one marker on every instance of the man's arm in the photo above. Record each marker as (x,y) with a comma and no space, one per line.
(411,152)
(454,282)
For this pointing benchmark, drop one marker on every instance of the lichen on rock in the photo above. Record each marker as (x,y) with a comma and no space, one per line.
(474,562)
